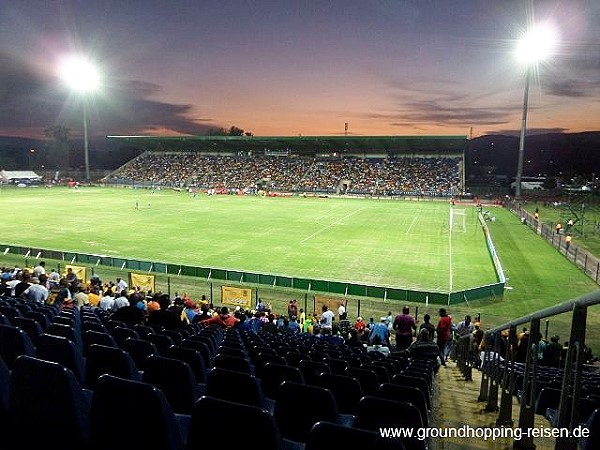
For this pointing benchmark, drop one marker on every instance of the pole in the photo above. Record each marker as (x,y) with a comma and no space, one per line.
(522,138)
(85,143)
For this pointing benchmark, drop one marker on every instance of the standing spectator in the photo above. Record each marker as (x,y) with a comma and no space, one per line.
(360,325)
(40,269)
(444,335)
(404,326)
(341,310)
(294,326)
(301,319)
(428,326)
(552,352)
(327,317)
(292,308)
(344,325)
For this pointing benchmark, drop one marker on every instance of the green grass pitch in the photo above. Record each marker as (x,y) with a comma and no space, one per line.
(395,243)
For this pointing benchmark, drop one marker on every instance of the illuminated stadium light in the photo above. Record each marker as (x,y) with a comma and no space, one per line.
(536,46)
(81,76)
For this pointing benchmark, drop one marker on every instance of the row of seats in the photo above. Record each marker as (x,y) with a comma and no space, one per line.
(243,369)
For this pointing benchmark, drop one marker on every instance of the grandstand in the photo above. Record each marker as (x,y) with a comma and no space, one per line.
(388,166)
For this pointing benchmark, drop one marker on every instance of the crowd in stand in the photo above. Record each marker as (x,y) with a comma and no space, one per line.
(414,176)
(133,306)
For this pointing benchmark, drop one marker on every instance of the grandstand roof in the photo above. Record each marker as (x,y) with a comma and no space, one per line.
(451,145)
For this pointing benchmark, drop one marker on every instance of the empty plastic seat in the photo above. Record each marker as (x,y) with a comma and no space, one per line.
(312,369)
(61,350)
(327,436)
(102,359)
(241,387)
(175,379)
(114,397)
(208,408)
(161,341)
(409,394)
(232,363)
(345,389)
(272,375)
(14,342)
(29,326)
(296,426)
(47,406)
(140,350)
(192,357)
(374,413)
(369,381)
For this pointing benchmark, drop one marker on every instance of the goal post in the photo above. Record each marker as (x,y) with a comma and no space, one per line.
(458,220)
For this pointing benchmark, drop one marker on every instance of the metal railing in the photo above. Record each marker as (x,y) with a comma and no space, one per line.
(500,370)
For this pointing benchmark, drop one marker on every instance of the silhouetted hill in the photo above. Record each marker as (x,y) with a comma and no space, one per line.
(554,154)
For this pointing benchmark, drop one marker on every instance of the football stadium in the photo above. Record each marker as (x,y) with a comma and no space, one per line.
(248,261)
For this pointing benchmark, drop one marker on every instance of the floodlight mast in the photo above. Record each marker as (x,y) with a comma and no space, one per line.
(533,48)
(519,176)
(82,77)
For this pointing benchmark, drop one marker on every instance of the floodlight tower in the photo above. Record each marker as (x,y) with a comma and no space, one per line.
(533,48)
(81,76)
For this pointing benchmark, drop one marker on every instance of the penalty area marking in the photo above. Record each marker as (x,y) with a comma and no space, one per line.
(330,225)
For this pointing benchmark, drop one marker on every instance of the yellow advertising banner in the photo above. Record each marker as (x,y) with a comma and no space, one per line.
(79,271)
(236,296)
(144,281)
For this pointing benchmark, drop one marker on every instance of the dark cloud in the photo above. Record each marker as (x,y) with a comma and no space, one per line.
(31,101)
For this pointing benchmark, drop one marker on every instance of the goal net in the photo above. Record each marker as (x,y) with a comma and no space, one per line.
(458,220)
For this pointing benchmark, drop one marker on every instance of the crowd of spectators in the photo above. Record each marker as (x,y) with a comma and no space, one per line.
(400,176)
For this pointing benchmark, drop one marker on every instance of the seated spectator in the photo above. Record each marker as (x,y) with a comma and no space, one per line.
(381,332)
(378,346)
(424,347)
(36,292)
(224,319)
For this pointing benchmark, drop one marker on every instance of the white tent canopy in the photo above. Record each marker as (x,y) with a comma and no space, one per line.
(19,176)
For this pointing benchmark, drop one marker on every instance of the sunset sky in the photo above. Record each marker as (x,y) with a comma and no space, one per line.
(284,68)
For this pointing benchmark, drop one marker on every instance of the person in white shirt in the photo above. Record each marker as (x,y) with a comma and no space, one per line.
(327,318)
(341,310)
(36,292)
(40,269)
(107,301)
(121,285)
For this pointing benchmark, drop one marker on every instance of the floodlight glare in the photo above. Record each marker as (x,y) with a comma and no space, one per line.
(537,45)
(79,74)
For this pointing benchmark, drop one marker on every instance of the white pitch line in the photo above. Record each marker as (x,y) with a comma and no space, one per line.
(411,225)
(330,225)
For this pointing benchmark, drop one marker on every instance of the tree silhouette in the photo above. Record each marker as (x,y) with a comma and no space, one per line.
(57,155)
